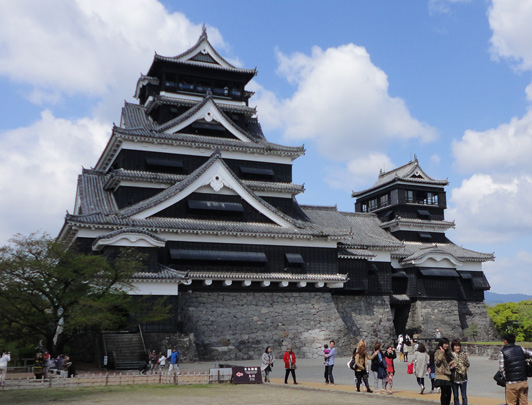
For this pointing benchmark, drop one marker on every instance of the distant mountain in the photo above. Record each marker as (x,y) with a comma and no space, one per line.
(492,298)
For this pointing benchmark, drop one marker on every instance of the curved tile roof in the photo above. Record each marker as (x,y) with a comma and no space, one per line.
(418,250)
(410,172)
(365,228)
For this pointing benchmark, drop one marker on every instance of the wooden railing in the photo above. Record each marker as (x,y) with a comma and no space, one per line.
(108,379)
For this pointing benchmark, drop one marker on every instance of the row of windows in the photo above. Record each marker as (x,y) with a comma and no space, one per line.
(411,197)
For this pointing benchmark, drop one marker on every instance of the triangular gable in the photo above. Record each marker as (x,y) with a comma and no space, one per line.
(417,173)
(204,48)
(209,112)
(216,175)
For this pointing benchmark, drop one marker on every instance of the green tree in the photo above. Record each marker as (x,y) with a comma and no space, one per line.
(513,317)
(49,292)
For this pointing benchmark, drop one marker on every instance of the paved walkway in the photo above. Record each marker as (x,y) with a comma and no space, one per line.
(482,390)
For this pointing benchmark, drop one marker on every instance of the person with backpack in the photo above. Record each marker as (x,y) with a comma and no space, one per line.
(174,362)
(378,367)
(389,357)
(512,365)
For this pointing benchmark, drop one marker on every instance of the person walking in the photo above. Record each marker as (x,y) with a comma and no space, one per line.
(459,372)
(432,370)
(174,362)
(161,362)
(389,357)
(267,363)
(361,359)
(6,358)
(513,369)
(378,367)
(289,359)
(329,365)
(442,360)
(421,365)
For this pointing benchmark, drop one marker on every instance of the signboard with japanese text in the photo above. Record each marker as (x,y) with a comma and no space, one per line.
(246,375)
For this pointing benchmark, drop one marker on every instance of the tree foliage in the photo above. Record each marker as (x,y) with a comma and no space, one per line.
(513,317)
(49,292)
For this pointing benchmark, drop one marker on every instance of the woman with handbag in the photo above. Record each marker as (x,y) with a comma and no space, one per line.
(421,366)
(361,359)
(289,359)
(267,363)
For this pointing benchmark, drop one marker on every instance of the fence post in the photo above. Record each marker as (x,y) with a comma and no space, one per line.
(106,379)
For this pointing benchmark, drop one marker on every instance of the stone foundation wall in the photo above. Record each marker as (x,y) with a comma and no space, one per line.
(230,326)
(452,318)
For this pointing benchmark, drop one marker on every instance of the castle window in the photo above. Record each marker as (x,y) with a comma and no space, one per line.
(421,197)
(294,259)
(425,237)
(215,206)
(423,214)
(217,256)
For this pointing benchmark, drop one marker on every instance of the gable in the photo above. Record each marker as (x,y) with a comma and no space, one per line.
(218,181)
(207,116)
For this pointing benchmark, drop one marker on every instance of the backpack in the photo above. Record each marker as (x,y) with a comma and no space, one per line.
(351,364)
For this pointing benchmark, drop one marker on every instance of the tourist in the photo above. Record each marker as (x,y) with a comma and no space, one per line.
(174,362)
(407,348)
(161,362)
(438,334)
(47,364)
(459,372)
(329,365)
(442,360)
(378,367)
(513,370)
(267,364)
(289,359)
(432,370)
(421,365)
(6,357)
(400,345)
(361,359)
(389,357)
(153,362)
(326,351)
(38,366)
(68,366)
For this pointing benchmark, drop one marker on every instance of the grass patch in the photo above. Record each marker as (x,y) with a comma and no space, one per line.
(70,395)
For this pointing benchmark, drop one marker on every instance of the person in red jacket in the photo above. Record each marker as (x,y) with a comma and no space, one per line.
(289,359)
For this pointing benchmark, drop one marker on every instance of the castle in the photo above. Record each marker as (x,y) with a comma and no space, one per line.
(190,179)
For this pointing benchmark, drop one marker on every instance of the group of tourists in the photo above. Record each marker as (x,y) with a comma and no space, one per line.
(156,363)
(44,363)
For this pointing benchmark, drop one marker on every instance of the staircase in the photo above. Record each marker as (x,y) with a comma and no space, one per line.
(125,349)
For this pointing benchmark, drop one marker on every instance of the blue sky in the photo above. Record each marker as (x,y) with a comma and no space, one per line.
(364,85)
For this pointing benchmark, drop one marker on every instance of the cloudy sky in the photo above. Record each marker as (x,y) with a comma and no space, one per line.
(363,85)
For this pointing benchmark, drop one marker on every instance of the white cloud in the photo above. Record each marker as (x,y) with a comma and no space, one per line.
(509,275)
(341,103)
(443,6)
(488,210)
(510,22)
(94,48)
(507,147)
(39,166)
(89,46)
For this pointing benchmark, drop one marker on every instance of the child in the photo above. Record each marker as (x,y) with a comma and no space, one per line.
(326,351)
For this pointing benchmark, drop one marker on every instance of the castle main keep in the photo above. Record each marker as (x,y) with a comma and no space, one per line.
(190,179)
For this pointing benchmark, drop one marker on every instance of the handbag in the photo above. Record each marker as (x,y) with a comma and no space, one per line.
(499,379)
(410,368)
(528,365)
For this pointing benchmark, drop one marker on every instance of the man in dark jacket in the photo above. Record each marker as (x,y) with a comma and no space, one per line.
(513,369)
